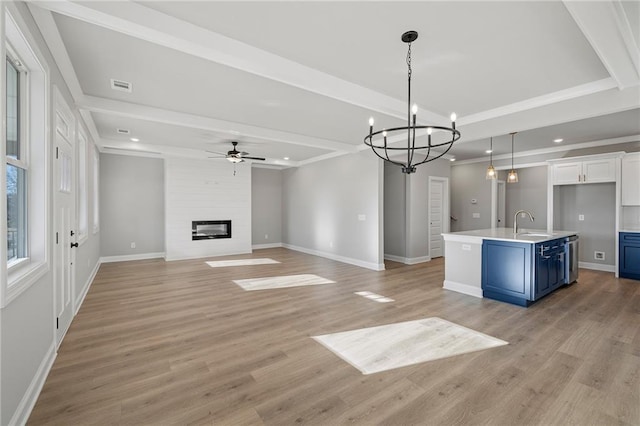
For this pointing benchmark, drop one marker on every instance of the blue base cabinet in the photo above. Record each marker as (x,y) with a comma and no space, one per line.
(629,255)
(521,273)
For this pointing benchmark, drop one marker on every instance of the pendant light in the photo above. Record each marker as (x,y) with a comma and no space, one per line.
(513,175)
(491,171)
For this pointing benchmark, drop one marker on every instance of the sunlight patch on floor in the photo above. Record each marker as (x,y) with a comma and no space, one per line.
(385,347)
(240,262)
(269,283)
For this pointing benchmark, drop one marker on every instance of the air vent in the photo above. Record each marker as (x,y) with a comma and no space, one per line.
(123,131)
(123,86)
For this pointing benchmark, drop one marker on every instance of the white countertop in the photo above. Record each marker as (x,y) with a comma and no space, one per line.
(630,230)
(506,234)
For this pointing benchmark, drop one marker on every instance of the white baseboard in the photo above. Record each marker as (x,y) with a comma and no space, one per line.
(85,290)
(265,246)
(597,266)
(23,411)
(128,257)
(462,288)
(407,260)
(231,253)
(415,260)
(350,261)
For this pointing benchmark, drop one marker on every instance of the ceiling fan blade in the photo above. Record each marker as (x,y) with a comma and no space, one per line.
(213,152)
(243,153)
(254,158)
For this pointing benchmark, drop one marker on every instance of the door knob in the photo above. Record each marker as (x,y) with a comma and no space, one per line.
(74,245)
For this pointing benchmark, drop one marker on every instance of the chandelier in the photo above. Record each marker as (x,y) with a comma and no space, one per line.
(378,140)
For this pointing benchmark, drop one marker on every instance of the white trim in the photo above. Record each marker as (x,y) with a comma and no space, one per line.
(349,260)
(265,246)
(147,24)
(143,112)
(541,101)
(559,148)
(462,288)
(607,155)
(128,257)
(600,25)
(85,288)
(407,260)
(597,266)
(30,397)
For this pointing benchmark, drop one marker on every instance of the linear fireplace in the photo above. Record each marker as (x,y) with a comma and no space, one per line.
(210,229)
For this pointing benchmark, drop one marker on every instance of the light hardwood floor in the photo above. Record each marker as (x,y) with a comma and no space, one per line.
(180,343)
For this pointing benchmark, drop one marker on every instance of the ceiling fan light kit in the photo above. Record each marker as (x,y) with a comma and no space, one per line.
(378,143)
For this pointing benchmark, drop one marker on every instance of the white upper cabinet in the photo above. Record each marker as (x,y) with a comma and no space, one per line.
(594,170)
(631,180)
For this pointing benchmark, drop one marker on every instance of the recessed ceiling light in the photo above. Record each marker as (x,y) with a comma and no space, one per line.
(489,151)
(558,140)
(452,159)
(135,140)
(286,158)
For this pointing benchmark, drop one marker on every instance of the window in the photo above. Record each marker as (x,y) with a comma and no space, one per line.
(23,162)
(83,218)
(17,171)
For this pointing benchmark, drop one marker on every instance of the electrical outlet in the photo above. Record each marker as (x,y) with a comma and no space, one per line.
(476,215)
(266,236)
(580,217)
(362,217)
(331,244)
(598,255)
(133,245)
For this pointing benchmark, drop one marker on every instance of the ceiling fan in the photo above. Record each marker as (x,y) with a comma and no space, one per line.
(234,155)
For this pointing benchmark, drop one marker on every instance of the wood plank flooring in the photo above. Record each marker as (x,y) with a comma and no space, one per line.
(180,343)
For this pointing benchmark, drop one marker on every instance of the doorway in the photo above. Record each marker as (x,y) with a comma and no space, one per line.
(498,204)
(438,214)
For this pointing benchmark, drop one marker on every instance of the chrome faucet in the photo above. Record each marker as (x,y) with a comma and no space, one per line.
(515,219)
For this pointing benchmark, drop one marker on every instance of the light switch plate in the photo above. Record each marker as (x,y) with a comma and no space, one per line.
(476,215)
(580,217)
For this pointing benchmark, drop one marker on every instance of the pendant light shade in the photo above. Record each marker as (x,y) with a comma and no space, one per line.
(512,177)
(491,171)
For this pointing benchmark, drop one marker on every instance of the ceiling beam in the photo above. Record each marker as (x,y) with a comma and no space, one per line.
(142,112)
(150,25)
(51,35)
(607,29)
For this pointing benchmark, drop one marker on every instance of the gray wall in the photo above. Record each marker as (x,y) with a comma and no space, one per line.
(395,211)
(266,206)
(321,203)
(131,205)
(406,208)
(529,193)
(468,182)
(27,338)
(597,202)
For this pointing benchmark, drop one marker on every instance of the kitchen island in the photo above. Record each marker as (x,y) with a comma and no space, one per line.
(516,268)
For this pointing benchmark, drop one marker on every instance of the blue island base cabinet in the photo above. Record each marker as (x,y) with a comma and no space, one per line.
(521,273)
(630,255)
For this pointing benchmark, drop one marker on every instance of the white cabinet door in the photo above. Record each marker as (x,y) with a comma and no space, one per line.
(631,180)
(567,173)
(595,171)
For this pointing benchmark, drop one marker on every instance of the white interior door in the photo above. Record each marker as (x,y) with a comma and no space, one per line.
(64,211)
(438,215)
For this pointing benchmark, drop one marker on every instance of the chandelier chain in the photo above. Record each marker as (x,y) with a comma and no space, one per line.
(409,60)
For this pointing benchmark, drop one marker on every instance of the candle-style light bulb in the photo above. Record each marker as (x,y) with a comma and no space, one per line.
(414,109)
(371,121)
(384,135)
(429,131)
(453,117)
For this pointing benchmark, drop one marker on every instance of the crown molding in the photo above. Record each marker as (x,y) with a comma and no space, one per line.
(560,148)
